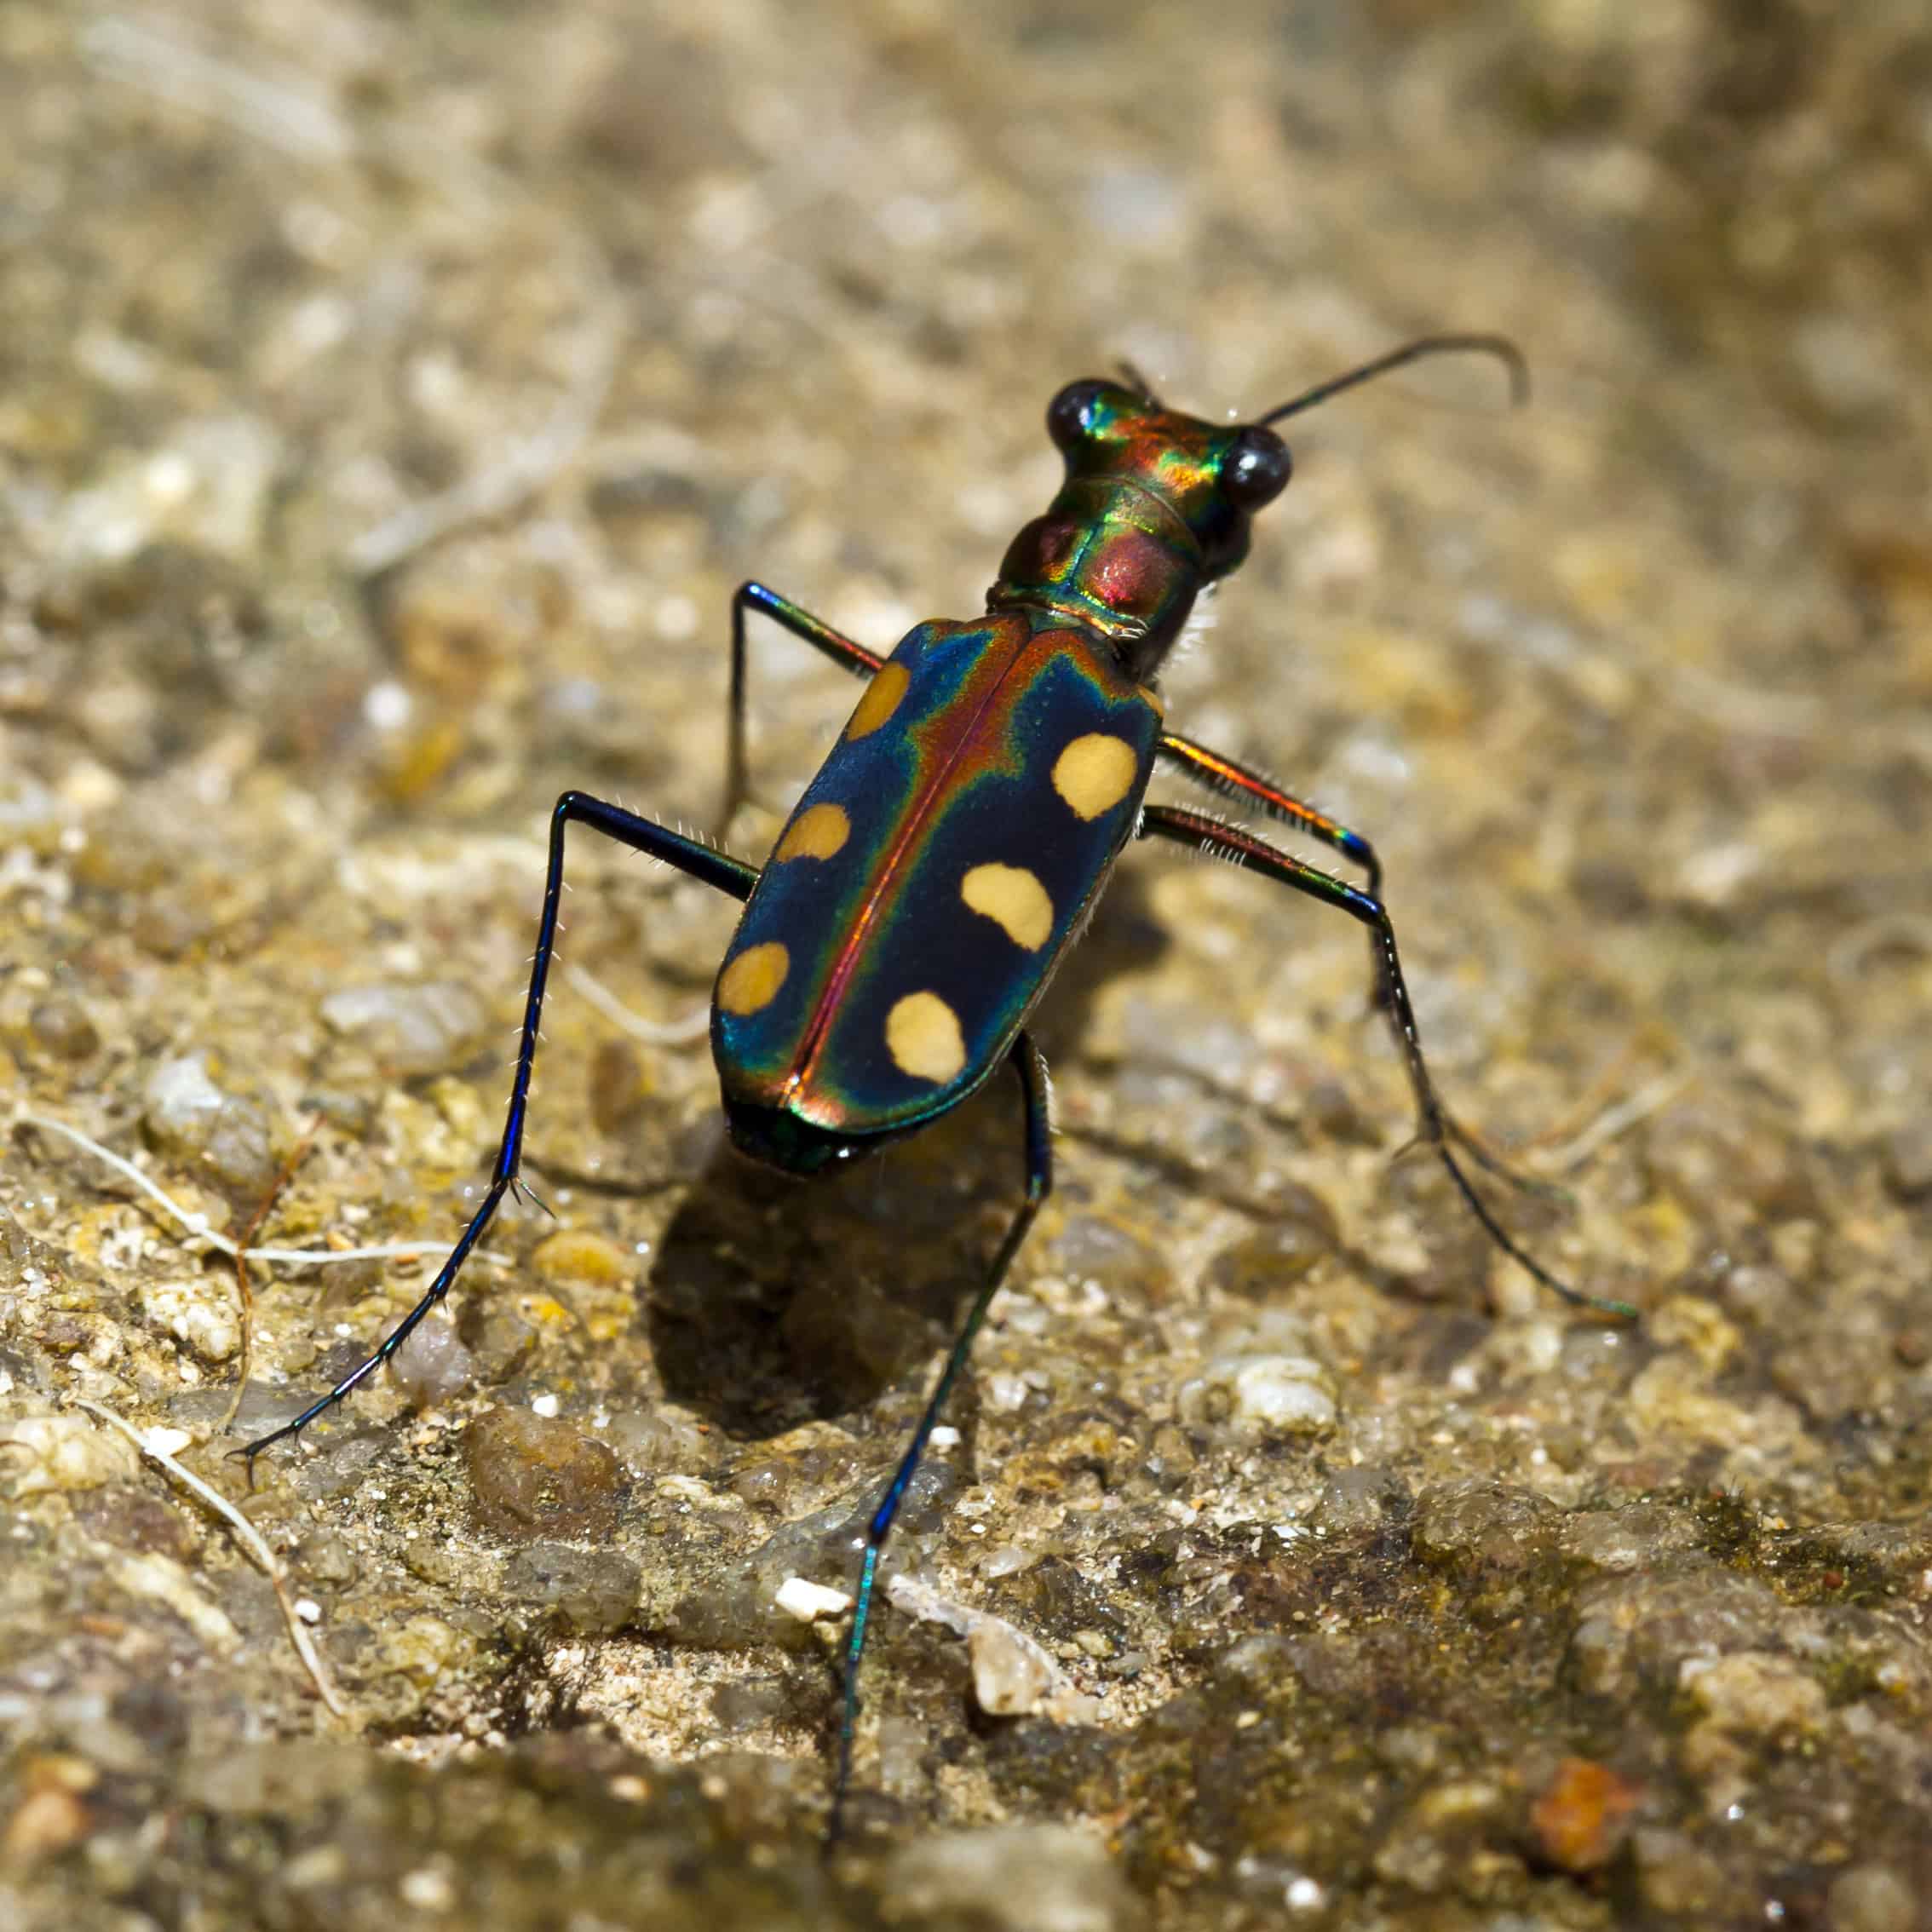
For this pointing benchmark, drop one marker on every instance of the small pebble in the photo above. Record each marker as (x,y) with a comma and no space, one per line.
(1361,1500)
(1677,1878)
(45,1825)
(1581,1816)
(534,1477)
(1010,1678)
(325,1556)
(739,1604)
(61,1026)
(432,1364)
(200,1313)
(1756,1693)
(1282,1395)
(575,1254)
(809,1602)
(410,1030)
(1011,1878)
(1872,1898)
(1005,1560)
(189,1116)
(593,1590)
(1477,1526)
(42,1454)
(1261,1395)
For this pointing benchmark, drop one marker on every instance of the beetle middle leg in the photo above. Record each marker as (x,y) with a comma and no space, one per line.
(1216,772)
(1030,1068)
(1433,1126)
(1220,774)
(688,855)
(754,596)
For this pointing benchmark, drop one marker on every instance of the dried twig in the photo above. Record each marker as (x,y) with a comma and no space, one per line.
(252,1542)
(196,1228)
(279,110)
(1620,1119)
(243,1293)
(653,1032)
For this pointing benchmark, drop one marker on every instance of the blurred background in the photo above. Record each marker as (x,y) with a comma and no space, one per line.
(391,396)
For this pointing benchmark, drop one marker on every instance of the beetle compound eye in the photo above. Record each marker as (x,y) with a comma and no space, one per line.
(1070,414)
(1256,470)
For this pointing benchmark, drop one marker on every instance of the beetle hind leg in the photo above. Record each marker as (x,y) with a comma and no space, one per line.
(1036,1093)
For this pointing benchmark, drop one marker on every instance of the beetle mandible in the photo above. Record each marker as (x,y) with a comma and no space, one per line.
(947,853)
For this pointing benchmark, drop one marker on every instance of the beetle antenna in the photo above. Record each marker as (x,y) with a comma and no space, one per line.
(1500,346)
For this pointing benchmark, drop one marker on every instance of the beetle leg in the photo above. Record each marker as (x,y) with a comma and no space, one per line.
(1218,773)
(728,875)
(815,631)
(1434,1126)
(1032,1070)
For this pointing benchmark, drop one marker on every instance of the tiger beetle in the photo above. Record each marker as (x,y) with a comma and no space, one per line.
(948,851)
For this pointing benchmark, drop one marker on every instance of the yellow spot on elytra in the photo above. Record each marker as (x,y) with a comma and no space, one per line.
(816,832)
(750,983)
(1013,898)
(923,1035)
(881,700)
(1095,772)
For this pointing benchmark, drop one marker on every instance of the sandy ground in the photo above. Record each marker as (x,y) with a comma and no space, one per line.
(390,397)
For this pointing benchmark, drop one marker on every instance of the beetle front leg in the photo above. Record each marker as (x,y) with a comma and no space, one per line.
(815,631)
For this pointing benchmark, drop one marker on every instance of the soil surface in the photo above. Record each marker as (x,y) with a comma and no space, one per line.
(391,396)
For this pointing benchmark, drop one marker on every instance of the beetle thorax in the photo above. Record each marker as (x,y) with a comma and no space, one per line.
(1155,506)
(1113,556)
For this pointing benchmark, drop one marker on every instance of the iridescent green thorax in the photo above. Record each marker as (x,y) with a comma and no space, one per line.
(1155,506)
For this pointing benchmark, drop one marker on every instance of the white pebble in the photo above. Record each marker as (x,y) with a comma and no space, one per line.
(1261,1395)
(39,1453)
(432,1365)
(1011,1677)
(1283,1394)
(808,1601)
(199,1313)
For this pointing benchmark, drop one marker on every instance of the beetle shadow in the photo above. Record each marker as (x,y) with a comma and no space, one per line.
(772,1301)
(1124,935)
